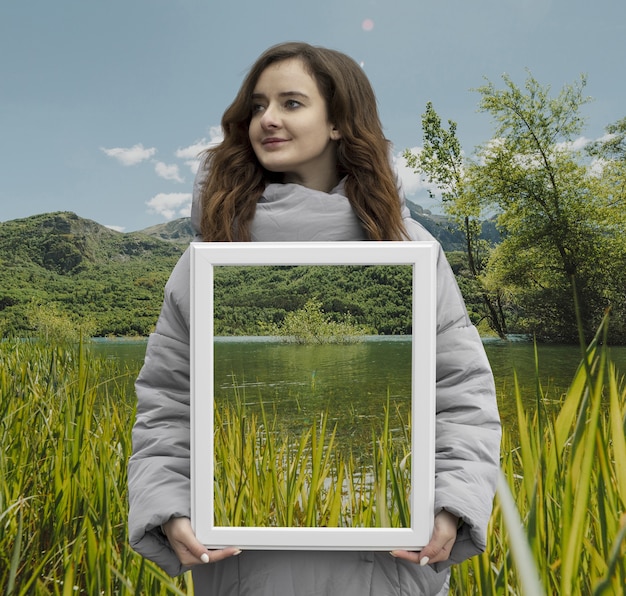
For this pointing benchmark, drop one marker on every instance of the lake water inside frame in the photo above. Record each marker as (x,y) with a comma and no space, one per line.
(302,381)
(289,388)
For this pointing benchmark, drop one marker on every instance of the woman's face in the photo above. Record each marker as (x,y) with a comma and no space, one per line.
(289,130)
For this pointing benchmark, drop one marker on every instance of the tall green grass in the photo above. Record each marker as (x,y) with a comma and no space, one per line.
(567,474)
(65,434)
(65,422)
(266,478)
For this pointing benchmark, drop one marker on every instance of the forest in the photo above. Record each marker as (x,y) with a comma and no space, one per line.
(64,275)
(253,300)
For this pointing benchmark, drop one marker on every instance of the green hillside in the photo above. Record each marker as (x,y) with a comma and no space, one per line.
(81,269)
(61,267)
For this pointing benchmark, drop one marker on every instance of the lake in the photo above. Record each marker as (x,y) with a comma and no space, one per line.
(304,373)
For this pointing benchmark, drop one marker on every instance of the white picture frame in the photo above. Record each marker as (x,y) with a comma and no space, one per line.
(422,257)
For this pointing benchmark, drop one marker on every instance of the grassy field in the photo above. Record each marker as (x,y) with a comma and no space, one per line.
(65,422)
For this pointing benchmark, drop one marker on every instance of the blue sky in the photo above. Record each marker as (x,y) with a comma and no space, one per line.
(103,104)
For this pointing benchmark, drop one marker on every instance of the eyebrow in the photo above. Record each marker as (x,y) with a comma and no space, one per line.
(282,94)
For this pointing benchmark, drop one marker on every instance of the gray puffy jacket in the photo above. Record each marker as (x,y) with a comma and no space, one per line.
(467,429)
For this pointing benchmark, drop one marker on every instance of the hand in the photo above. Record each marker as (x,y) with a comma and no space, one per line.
(441,542)
(186,546)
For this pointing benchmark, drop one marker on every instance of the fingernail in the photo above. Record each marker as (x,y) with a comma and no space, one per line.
(424,561)
(237,552)
(393,554)
(204,558)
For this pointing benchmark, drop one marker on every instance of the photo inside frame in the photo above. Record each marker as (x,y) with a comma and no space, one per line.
(312,396)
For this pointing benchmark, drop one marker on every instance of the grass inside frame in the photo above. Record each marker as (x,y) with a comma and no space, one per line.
(422,257)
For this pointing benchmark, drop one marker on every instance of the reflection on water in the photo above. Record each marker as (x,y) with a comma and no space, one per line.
(555,369)
(370,372)
(298,382)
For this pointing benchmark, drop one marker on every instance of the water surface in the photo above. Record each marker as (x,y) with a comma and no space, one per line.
(369,368)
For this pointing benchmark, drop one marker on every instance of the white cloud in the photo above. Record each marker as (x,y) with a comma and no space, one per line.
(490,149)
(191,154)
(130,156)
(116,228)
(171,205)
(193,151)
(575,145)
(412,183)
(609,136)
(167,171)
(597,166)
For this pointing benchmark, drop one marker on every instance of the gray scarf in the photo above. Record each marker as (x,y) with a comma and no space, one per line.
(294,213)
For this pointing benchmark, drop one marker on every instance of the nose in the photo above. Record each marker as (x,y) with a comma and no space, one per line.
(269,118)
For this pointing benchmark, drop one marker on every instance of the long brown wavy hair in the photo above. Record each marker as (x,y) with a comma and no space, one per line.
(237,180)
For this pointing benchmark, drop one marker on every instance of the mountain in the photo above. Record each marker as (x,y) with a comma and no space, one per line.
(447,232)
(83,270)
(64,266)
(65,243)
(179,231)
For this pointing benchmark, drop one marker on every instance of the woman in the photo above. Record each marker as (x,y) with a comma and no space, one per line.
(304,159)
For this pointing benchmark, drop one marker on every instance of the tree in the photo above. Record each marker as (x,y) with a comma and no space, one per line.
(555,213)
(311,325)
(613,145)
(54,326)
(610,165)
(441,160)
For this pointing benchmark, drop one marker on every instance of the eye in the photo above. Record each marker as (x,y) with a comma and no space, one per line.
(256,108)
(292,104)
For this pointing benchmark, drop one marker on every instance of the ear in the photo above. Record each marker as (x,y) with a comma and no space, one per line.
(335,135)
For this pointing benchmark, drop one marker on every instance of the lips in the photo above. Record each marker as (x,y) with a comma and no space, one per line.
(273,142)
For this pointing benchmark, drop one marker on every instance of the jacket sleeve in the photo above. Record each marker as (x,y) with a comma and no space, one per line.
(158,470)
(467,444)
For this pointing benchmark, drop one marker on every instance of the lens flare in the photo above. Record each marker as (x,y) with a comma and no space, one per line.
(367,25)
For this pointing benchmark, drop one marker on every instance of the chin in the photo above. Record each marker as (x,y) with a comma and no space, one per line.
(273,168)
